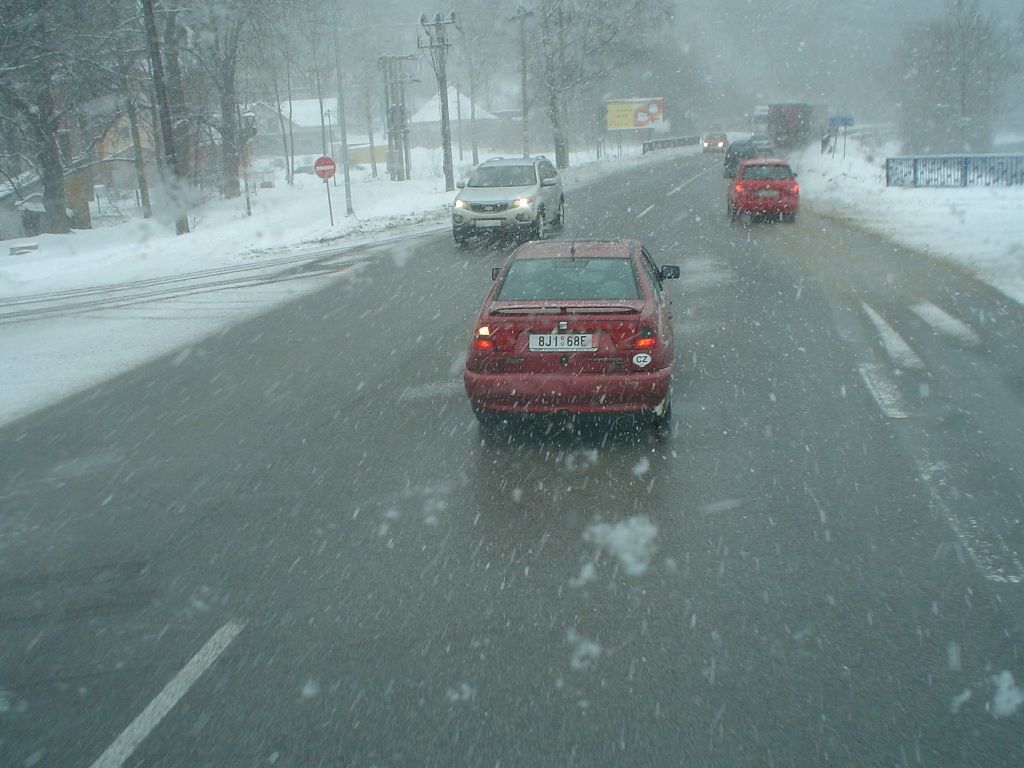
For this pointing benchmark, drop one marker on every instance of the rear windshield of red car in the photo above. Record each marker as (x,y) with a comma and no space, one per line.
(767,172)
(564,279)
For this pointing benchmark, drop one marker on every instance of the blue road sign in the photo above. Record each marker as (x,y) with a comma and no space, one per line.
(841,121)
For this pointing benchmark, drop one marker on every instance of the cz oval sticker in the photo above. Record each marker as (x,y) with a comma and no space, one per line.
(641,359)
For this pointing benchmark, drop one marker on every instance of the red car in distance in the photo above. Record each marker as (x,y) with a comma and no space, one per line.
(764,187)
(574,328)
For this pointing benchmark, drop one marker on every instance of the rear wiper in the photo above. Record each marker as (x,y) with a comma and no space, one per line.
(611,309)
(527,311)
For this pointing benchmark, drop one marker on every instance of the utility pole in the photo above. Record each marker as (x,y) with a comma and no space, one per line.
(521,16)
(458,117)
(166,129)
(395,118)
(437,50)
(341,125)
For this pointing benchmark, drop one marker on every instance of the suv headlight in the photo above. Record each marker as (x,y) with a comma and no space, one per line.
(460,203)
(522,202)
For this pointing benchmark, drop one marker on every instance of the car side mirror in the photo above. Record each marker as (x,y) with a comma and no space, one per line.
(795,175)
(549,182)
(669,272)
(495,272)
(461,184)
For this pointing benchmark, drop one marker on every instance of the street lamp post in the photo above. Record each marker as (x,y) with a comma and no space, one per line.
(342,127)
(330,141)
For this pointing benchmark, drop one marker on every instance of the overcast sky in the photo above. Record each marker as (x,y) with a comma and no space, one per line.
(836,52)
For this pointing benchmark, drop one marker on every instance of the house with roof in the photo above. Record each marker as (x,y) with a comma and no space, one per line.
(502,132)
(312,125)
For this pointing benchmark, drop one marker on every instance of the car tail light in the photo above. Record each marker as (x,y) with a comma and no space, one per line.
(482,339)
(794,187)
(646,339)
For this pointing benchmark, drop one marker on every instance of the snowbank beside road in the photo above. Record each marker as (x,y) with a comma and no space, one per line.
(979,227)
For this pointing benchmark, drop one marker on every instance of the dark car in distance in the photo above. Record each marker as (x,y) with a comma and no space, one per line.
(574,328)
(737,152)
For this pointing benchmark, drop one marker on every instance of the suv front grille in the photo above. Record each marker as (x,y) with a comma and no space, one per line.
(489,207)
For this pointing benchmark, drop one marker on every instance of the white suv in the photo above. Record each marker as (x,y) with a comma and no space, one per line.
(519,196)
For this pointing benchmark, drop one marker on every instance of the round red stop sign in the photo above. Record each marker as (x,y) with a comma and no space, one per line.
(324,167)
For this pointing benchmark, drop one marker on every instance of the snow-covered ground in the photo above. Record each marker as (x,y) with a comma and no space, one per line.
(87,306)
(981,228)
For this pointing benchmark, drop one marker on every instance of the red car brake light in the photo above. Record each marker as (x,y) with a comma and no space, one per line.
(490,338)
(482,339)
(646,339)
(738,187)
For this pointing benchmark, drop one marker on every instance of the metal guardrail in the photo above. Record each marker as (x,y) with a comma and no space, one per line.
(955,171)
(679,141)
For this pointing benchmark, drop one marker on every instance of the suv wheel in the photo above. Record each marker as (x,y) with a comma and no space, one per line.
(540,228)
(560,221)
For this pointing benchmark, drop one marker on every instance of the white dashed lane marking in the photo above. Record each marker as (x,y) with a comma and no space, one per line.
(996,560)
(690,180)
(946,324)
(883,390)
(132,736)
(894,344)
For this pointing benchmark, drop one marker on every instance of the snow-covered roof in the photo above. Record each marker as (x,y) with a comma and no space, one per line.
(431,111)
(306,112)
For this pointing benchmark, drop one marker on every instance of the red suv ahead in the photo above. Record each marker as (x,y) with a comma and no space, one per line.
(764,187)
(577,328)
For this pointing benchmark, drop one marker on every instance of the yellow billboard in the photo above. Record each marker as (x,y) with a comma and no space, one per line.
(629,114)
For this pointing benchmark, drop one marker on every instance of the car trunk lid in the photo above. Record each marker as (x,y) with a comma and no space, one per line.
(610,327)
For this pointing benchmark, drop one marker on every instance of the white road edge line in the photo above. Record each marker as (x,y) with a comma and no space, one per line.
(129,740)
(995,559)
(645,211)
(895,346)
(688,181)
(883,390)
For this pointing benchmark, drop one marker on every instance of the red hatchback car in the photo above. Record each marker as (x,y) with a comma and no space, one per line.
(574,328)
(764,187)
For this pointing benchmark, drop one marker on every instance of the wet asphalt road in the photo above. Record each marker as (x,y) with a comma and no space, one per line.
(301,512)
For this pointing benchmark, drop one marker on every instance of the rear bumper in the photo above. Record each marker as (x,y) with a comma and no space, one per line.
(575,393)
(762,205)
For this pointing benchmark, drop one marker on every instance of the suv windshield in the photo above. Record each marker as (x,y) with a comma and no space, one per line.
(569,279)
(503,176)
(769,172)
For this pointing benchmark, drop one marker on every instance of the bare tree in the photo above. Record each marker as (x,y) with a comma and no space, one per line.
(31,59)
(949,78)
(271,39)
(218,27)
(582,41)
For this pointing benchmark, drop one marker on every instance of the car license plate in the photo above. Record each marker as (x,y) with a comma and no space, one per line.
(768,193)
(562,342)
(489,223)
